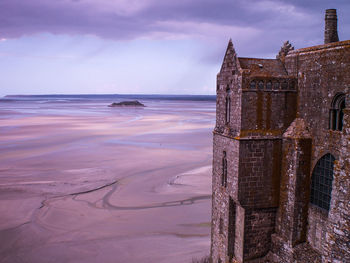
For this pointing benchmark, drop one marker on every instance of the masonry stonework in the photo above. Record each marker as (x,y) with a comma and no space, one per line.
(281,164)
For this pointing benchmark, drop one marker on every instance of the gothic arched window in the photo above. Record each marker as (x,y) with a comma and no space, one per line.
(321,182)
(336,112)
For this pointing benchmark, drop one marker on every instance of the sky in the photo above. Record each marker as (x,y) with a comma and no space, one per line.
(146,46)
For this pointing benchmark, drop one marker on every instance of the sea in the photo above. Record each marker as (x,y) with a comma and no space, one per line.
(88,103)
(84,182)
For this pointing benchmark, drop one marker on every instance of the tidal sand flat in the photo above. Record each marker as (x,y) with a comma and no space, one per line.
(83,182)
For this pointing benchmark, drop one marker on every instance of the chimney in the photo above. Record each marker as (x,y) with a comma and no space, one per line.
(331,26)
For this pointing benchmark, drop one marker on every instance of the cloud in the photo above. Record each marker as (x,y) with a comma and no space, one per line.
(204,30)
(278,10)
(272,21)
(127,19)
(55,44)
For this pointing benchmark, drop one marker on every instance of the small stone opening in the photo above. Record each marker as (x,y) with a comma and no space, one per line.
(227,106)
(221,226)
(231,229)
(224,170)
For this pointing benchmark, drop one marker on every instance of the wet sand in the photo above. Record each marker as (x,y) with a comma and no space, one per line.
(81,182)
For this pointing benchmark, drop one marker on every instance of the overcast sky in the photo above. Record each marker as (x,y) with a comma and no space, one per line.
(146,46)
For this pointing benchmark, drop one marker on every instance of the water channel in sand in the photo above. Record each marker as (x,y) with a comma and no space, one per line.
(81,182)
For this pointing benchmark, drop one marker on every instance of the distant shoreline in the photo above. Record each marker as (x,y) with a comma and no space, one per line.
(114,96)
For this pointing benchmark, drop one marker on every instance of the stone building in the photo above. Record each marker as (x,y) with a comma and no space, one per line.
(281,164)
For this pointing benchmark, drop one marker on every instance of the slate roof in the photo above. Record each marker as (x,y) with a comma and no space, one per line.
(263,67)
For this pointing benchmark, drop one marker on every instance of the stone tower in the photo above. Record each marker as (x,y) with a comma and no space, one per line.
(279,156)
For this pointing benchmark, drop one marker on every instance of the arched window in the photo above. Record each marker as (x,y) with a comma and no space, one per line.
(321,182)
(261,85)
(224,170)
(336,112)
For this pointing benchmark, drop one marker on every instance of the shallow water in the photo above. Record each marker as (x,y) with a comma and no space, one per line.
(82,182)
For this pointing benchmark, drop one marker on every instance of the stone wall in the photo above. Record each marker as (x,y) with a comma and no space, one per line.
(316,227)
(254,220)
(337,241)
(268,111)
(318,83)
(221,197)
(271,109)
(259,226)
(259,173)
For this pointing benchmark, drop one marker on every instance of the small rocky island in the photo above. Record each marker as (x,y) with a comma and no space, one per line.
(132,103)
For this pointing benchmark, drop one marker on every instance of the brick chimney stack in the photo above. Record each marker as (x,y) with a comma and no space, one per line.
(331,26)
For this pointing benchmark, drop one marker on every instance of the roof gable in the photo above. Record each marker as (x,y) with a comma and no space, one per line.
(231,62)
